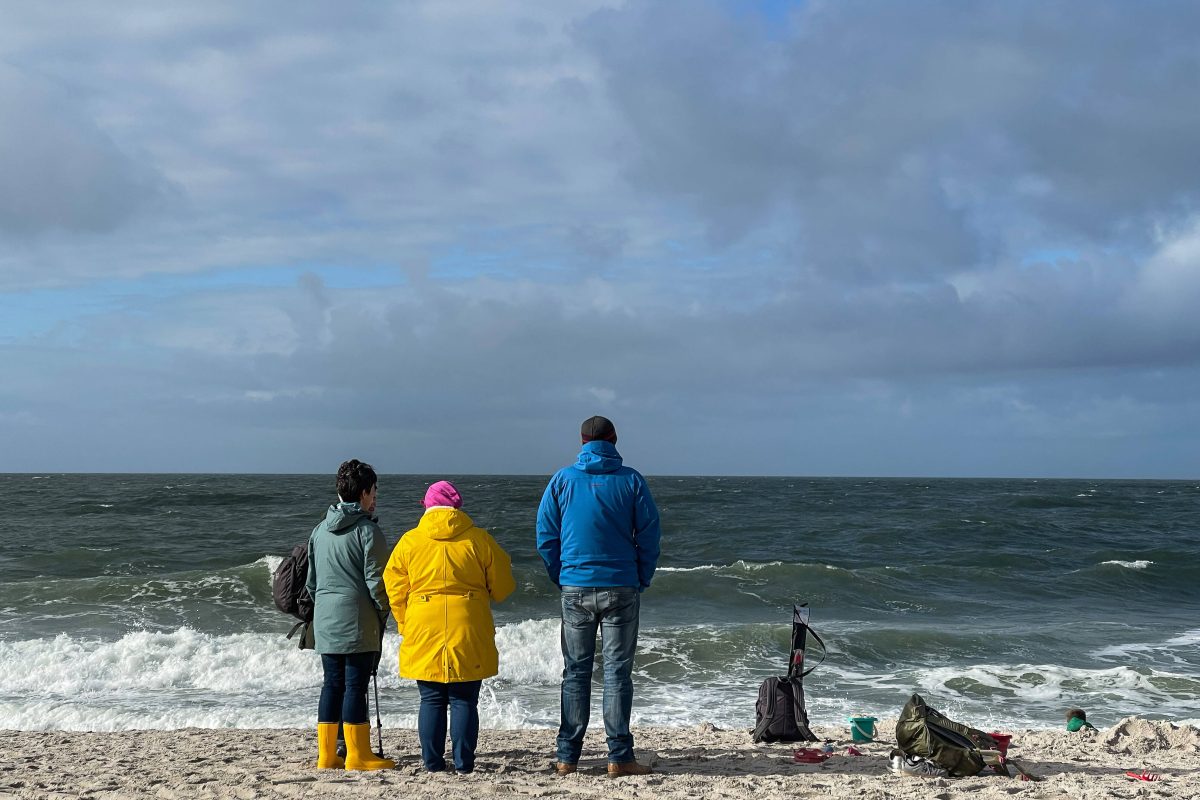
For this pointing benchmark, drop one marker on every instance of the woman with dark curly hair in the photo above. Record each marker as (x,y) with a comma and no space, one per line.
(346,556)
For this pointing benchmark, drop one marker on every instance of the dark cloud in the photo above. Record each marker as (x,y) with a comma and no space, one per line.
(913,139)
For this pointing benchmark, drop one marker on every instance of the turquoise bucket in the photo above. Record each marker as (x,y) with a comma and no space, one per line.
(862,729)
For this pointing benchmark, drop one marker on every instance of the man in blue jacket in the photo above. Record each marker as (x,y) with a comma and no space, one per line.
(598,534)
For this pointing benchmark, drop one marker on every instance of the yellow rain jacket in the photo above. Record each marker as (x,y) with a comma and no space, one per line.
(441,579)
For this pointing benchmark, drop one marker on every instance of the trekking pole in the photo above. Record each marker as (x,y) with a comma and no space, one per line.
(375,683)
(378,721)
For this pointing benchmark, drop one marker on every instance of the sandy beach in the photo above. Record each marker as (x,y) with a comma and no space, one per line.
(690,763)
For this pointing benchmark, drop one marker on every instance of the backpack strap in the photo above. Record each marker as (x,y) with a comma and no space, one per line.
(798,710)
(824,653)
(297,627)
(1026,774)
(768,716)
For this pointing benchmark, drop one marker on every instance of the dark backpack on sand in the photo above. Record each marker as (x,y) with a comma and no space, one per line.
(290,594)
(923,732)
(779,711)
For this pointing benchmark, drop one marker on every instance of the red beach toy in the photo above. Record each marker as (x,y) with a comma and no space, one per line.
(1143,775)
(809,755)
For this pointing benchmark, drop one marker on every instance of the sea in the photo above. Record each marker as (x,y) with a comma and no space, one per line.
(144,601)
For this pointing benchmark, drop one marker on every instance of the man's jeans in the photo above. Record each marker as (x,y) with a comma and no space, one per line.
(614,611)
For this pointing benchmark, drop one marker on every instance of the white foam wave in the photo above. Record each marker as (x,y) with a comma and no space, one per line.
(754,566)
(189,678)
(1044,689)
(189,660)
(272,563)
(1139,564)
(143,661)
(529,652)
(186,678)
(751,566)
(1179,649)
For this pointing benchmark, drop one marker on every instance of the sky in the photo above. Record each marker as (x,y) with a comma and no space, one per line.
(779,238)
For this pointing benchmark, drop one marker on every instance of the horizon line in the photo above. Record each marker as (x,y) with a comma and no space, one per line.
(773,476)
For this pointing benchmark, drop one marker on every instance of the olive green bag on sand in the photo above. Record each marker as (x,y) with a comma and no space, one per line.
(921,731)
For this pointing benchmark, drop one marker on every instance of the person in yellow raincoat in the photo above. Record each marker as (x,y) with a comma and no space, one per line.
(441,580)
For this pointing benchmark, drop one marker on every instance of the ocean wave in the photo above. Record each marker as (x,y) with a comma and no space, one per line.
(272,563)
(238,583)
(1175,648)
(182,678)
(743,566)
(186,659)
(186,678)
(1001,694)
(684,674)
(1139,564)
(529,652)
(148,661)
(739,564)
(1047,688)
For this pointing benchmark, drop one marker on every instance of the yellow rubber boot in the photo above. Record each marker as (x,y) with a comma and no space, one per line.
(327,757)
(358,749)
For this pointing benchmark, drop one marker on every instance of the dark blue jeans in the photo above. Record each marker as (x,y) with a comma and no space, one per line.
(344,693)
(614,612)
(462,698)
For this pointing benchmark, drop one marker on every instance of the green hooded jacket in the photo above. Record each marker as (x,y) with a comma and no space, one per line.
(346,557)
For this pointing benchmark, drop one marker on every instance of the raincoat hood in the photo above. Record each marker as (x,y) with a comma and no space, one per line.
(443,523)
(599,457)
(342,517)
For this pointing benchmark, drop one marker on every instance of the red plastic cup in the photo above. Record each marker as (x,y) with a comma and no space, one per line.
(1002,741)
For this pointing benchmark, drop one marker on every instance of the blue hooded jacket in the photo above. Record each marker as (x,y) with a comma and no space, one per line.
(597,524)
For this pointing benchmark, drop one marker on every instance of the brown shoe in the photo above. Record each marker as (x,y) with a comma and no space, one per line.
(563,768)
(627,768)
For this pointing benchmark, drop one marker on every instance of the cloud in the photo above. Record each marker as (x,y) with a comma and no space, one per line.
(298,136)
(483,376)
(61,171)
(862,140)
(1168,288)
(429,230)
(911,140)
